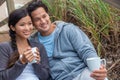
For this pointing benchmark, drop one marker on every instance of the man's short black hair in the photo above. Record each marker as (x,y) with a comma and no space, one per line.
(36,4)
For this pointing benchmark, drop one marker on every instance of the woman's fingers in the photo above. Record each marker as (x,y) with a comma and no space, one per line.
(28,56)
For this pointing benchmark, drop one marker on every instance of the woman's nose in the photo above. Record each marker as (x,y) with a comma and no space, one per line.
(27,27)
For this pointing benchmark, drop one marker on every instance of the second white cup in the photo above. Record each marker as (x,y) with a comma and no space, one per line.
(95,63)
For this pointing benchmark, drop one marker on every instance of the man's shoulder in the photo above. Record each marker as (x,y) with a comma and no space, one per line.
(62,24)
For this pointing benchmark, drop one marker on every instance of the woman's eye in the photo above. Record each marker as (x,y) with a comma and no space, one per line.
(30,23)
(21,24)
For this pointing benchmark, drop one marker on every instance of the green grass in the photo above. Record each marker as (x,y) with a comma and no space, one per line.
(99,20)
(95,17)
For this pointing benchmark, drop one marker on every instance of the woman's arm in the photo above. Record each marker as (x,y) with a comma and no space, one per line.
(10,73)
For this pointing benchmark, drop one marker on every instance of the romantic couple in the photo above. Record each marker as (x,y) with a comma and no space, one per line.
(62,48)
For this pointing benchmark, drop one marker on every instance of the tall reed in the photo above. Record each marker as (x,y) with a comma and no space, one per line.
(93,15)
(99,20)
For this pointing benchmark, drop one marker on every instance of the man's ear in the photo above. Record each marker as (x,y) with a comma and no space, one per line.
(12,28)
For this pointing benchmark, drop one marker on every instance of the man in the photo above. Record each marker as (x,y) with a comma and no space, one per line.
(67,46)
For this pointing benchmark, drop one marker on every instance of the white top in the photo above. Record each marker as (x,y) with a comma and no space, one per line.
(28,73)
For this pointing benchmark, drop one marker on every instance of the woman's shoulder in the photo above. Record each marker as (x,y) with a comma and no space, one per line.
(5,47)
(4,44)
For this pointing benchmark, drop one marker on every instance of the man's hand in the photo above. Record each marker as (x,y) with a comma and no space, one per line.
(99,74)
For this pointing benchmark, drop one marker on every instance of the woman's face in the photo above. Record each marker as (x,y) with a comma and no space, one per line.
(23,28)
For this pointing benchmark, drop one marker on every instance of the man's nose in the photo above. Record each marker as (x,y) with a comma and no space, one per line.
(43,20)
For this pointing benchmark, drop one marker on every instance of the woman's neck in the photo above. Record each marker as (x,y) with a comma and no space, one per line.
(22,45)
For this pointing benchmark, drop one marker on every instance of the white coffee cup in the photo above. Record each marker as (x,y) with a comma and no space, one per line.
(94,63)
(34,50)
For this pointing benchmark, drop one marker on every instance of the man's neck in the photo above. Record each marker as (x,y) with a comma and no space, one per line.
(52,28)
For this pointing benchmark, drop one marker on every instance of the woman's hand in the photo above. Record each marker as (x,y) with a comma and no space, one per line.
(28,56)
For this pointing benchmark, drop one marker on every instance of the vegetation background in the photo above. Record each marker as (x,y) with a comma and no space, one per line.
(99,20)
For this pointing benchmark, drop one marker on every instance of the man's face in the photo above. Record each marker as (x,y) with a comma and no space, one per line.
(41,20)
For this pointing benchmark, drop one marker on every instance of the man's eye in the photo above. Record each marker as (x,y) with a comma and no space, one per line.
(44,16)
(36,19)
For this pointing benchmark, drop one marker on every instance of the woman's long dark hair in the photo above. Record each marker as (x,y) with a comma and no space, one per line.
(13,19)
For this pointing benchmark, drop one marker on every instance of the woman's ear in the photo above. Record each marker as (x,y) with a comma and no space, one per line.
(12,28)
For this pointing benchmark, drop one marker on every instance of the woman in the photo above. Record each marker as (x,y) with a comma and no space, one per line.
(16,57)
